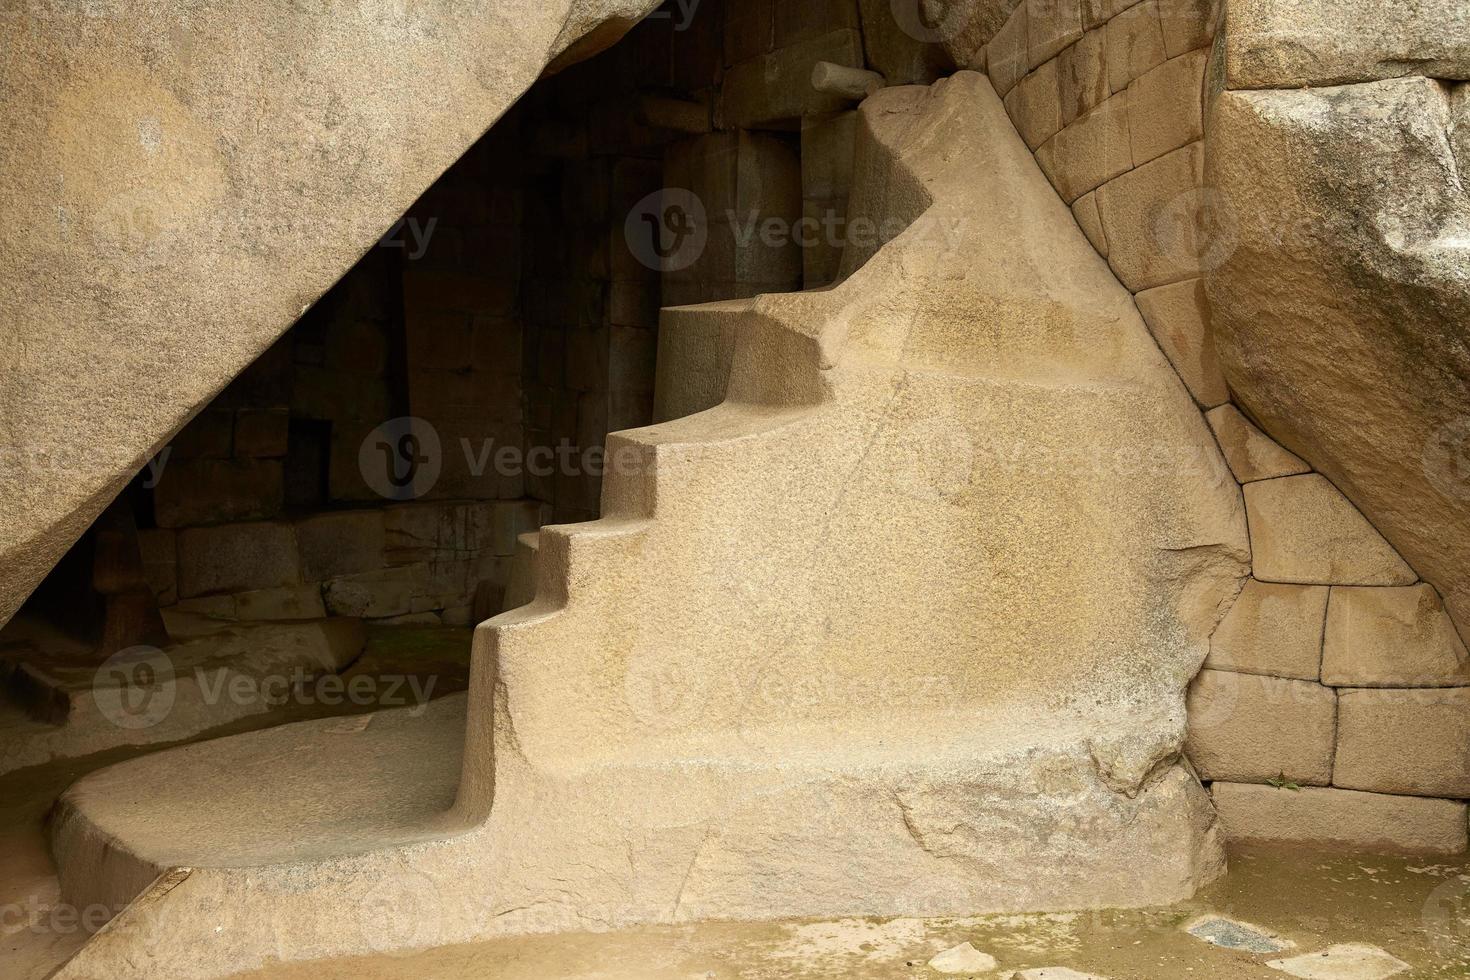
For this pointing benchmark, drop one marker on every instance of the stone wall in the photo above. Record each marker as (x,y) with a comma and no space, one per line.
(1333,705)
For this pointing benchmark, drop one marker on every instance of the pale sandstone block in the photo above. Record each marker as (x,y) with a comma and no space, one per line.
(1248,727)
(237,558)
(1090,152)
(1152,215)
(1035,105)
(1006,55)
(1082,73)
(1304,530)
(1051,25)
(1251,453)
(1095,12)
(340,543)
(1340,817)
(1392,637)
(1165,107)
(1085,210)
(1413,743)
(1135,44)
(1178,315)
(1187,24)
(1272,629)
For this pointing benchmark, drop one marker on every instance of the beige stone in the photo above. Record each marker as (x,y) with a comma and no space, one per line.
(1007,59)
(1343,961)
(1272,629)
(640,705)
(1165,107)
(1035,105)
(1090,151)
(1051,25)
(1154,220)
(1250,728)
(777,85)
(1085,208)
(826,155)
(1178,315)
(1188,24)
(218,190)
(1392,637)
(237,558)
(1341,818)
(1414,743)
(1082,74)
(1135,44)
(1251,453)
(1295,43)
(1303,530)
(1345,336)
(1096,12)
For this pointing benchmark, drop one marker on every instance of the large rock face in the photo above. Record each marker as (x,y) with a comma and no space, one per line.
(179,182)
(1342,314)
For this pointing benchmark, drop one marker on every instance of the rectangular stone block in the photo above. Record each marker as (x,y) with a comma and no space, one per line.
(750,30)
(1304,530)
(1251,453)
(1392,637)
(208,491)
(1152,217)
(1250,728)
(1082,73)
(799,21)
(902,58)
(1411,743)
(1051,25)
(205,436)
(340,543)
(1095,12)
(827,144)
(237,558)
(380,594)
(1166,107)
(1272,629)
(1089,152)
(1035,105)
(1006,55)
(159,551)
(1135,44)
(1341,818)
(1188,24)
(1178,316)
(262,434)
(778,86)
(286,603)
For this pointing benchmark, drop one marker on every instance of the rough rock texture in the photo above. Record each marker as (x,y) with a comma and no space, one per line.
(1412,742)
(180,182)
(902,626)
(1371,821)
(1272,629)
(1392,638)
(1248,727)
(1341,314)
(1292,43)
(1303,530)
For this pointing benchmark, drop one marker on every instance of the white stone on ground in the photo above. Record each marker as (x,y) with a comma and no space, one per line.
(964,958)
(1348,961)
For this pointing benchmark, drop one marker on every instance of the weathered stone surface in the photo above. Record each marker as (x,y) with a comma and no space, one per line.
(1082,72)
(222,190)
(906,53)
(1166,107)
(1188,24)
(1303,530)
(286,603)
(1153,218)
(1051,25)
(778,85)
(1085,208)
(1272,629)
(1294,43)
(1035,105)
(1135,44)
(1251,453)
(1250,728)
(1178,315)
(340,543)
(1090,151)
(964,958)
(237,558)
(1096,12)
(1340,817)
(1345,961)
(1340,312)
(1415,743)
(1392,638)
(1006,57)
